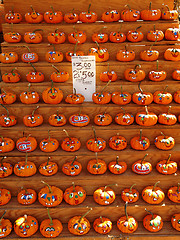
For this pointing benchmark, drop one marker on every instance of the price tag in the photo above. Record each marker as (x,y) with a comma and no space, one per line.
(84,75)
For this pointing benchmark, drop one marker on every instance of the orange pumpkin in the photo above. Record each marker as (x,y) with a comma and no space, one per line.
(70,144)
(33,17)
(70,53)
(75,98)
(175,221)
(33,120)
(5,196)
(176,96)
(121,98)
(142,167)
(134,35)
(140,142)
(13,17)
(172,54)
(96,144)
(101,54)
(130,15)
(108,75)
(162,97)
(141,97)
(149,54)
(59,76)
(104,195)
(57,119)
(53,16)
(117,167)
(26,144)
(127,224)
(48,168)
(7,120)
(167,167)
(102,225)
(12,37)
(54,56)
(72,168)
(151,14)
(103,119)
(117,37)
(117,142)
(146,118)
(6,169)
(88,17)
(52,95)
(6,144)
(33,37)
(56,37)
(169,14)
(26,226)
(124,118)
(156,75)
(176,74)
(167,118)
(102,97)
(77,37)
(29,97)
(164,142)
(172,34)
(35,76)
(130,195)
(152,222)
(26,196)
(25,168)
(174,194)
(155,35)
(71,17)
(79,120)
(96,166)
(11,77)
(135,74)
(29,56)
(125,55)
(49,144)
(5,226)
(74,195)
(110,16)
(8,57)
(100,37)
(153,194)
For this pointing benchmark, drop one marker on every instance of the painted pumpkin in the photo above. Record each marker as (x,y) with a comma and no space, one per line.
(102,97)
(176,74)
(52,95)
(5,226)
(103,119)
(13,17)
(135,74)
(5,196)
(74,195)
(153,194)
(6,144)
(77,37)
(127,224)
(142,167)
(48,168)
(75,98)
(34,76)
(71,17)
(141,97)
(164,142)
(25,168)
(49,144)
(56,37)
(54,56)
(129,14)
(96,144)
(172,54)
(29,56)
(110,16)
(29,97)
(50,228)
(162,97)
(102,225)
(79,120)
(33,37)
(33,17)
(57,119)
(121,98)
(175,221)
(11,77)
(117,37)
(26,196)
(59,76)
(70,144)
(169,14)
(167,167)
(8,57)
(72,168)
(155,35)
(152,222)
(176,97)
(104,195)
(174,194)
(12,37)
(101,54)
(149,54)
(167,118)
(33,120)
(146,118)
(79,225)
(172,34)
(151,14)
(108,75)
(117,167)
(130,195)
(157,75)
(134,35)
(26,226)
(88,17)
(96,166)
(26,144)
(53,16)
(50,196)
(125,55)
(100,37)
(7,120)
(7,97)
(124,118)
(140,142)
(70,54)
(6,169)
(117,142)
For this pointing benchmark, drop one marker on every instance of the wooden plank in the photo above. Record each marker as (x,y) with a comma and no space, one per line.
(99,7)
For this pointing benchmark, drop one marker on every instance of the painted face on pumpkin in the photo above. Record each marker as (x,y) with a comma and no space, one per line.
(143,168)
(8,57)
(70,144)
(72,169)
(131,196)
(25,228)
(50,168)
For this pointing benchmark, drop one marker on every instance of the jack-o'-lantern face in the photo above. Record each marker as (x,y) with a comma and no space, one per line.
(175,221)
(101,54)
(49,145)
(101,97)
(29,97)
(104,195)
(74,195)
(56,37)
(111,16)
(9,57)
(79,120)
(54,56)
(100,37)
(78,227)
(25,226)
(153,222)
(77,37)
(12,37)
(96,166)
(117,37)
(25,169)
(117,143)
(121,98)
(6,169)
(12,17)
(52,95)
(174,194)
(53,17)
(70,144)
(102,225)
(72,168)
(172,34)
(71,17)
(5,228)
(27,196)
(130,195)
(5,196)
(172,54)
(164,142)
(32,37)
(142,167)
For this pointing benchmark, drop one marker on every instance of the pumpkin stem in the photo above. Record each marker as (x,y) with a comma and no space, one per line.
(56,30)
(155,185)
(2,216)
(32,66)
(2,90)
(51,221)
(12,9)
(101,219)
(74,91)
(137,28)
(137,66)
(6,109)
(29,85)
(34,111)
(150,5)
(140,137)
(124,112)
(115,184)
(26,158)
(37,30)
(125,208)
(105,86)
(130,190)
(2,138)
(163,134)
(146,109)
(53,46)
(165,88)
(100,31)
(75,29)
(117,160)
(97,44)
(49,135)
(52,84)
(96,157)
(157,65)
(75,47)
(55,68)
(25,47)
(73,186)
(52,9)
(169,110)
(32,8)
(27,137)
(150,213)
(143,159)
(94,133)
(25,218)
(153,44)
(66,133)
(1,164)
(140,89)
(169,157)
(11,27)
(125,47)
(166,6)
(84,215)
(89,8)
(50,189)
(13,69)
(127,5)
(178,187)
(73,160)
(26,191)
(154,28)
(48,161)
(80,110)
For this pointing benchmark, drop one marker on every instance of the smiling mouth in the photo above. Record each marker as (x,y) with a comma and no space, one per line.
(101,56)
(71,18)
(53,97)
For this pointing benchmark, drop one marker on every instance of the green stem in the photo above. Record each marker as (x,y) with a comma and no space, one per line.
(32,8)
(163,134)
(105,86)
(49,135)
(13,69)
(89,8)
(75,47)
(2,138)
(75,29)
(126,210)
(165,88)
(11,27)
(143,159)
(137,66)
(153,44)
(114,184)
(27,137)
(97,44)
(2,216)
(157,65)
(167,161)
(52,9)
(74,91)
(101,219)
(130,190)
(1,164)
(50,190)
(51,222)
(124,112)
(6,109)
(29,86)
(155,185)
(108,68)
(73,160)
(140,137)
(37,30)
(34,111)
(169,109)
(94,131)
(140,89)
(84,215)
(150,213)
(154,28)
(55,68)
(32,66)
(117,160)
(127,5)
(150,5)
(52,84)
(96,157)
(137,28)
(100,31)
(67,134)
(48,161)
(53,46)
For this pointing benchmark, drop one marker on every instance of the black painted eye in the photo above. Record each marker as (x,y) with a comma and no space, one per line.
(107,13)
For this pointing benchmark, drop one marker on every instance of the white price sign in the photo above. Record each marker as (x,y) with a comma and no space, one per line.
(84,75)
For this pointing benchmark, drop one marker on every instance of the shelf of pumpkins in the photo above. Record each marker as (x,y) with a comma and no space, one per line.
(88,181)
